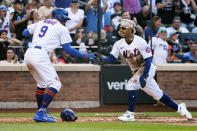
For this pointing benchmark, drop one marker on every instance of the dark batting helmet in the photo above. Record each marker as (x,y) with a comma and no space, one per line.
(60,14)
(68,115)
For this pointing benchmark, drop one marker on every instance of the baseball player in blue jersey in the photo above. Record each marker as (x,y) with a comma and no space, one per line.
(138,56)
(48,35)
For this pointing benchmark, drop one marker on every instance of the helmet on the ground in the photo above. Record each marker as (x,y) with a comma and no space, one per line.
(60,14)
(68,115)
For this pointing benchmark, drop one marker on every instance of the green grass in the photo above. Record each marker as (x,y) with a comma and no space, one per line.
(93,127)
(90,126)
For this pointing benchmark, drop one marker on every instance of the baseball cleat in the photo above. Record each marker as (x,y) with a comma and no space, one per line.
(48,112)
(41,116)
(127,116)
(182,109)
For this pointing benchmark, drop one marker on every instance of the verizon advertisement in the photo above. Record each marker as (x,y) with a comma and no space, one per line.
(113,81)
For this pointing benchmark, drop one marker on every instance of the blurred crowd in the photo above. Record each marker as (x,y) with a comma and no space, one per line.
(171,33)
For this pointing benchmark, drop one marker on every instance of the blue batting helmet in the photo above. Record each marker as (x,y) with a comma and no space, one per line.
(68,115)
(60,14)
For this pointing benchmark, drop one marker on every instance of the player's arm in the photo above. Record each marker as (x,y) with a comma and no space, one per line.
(147,55)
(26,33)
(65,41)
(147,66)
(114,54)
(110,59)
(71,51)
(29,31)
(144,76)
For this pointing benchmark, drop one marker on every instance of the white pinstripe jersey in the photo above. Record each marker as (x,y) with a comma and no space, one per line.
(49,34)
(135,53)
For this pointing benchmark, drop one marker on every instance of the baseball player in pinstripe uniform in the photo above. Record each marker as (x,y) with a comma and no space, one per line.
(138,55)
(47,36)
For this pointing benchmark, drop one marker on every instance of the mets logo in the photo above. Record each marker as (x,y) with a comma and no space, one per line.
(129,54)
(147,50)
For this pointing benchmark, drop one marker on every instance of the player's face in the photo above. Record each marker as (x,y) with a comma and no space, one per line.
(125,32)
(10,54)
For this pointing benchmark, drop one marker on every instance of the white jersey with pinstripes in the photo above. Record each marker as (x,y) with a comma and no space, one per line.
(135,53)
(49,34)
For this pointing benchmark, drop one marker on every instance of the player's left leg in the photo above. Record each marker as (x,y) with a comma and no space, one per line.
(39,95)
(153,90)
(129,114)
(48,74)
(41,84)
(131,88)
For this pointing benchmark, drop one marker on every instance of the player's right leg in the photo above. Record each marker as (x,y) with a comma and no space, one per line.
(153,90)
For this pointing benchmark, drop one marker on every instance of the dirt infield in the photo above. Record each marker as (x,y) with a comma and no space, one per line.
(165,120)
(105,108)
(109,108)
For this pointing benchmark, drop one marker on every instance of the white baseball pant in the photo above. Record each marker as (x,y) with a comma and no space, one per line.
(151,87)
(41,68)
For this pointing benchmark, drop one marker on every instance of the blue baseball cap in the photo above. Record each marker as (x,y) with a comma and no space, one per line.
(3,8)
(190,37)
(162,29)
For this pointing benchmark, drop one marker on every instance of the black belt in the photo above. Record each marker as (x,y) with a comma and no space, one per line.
(38,47)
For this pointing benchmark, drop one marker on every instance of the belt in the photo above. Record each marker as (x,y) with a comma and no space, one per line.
(38,47)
